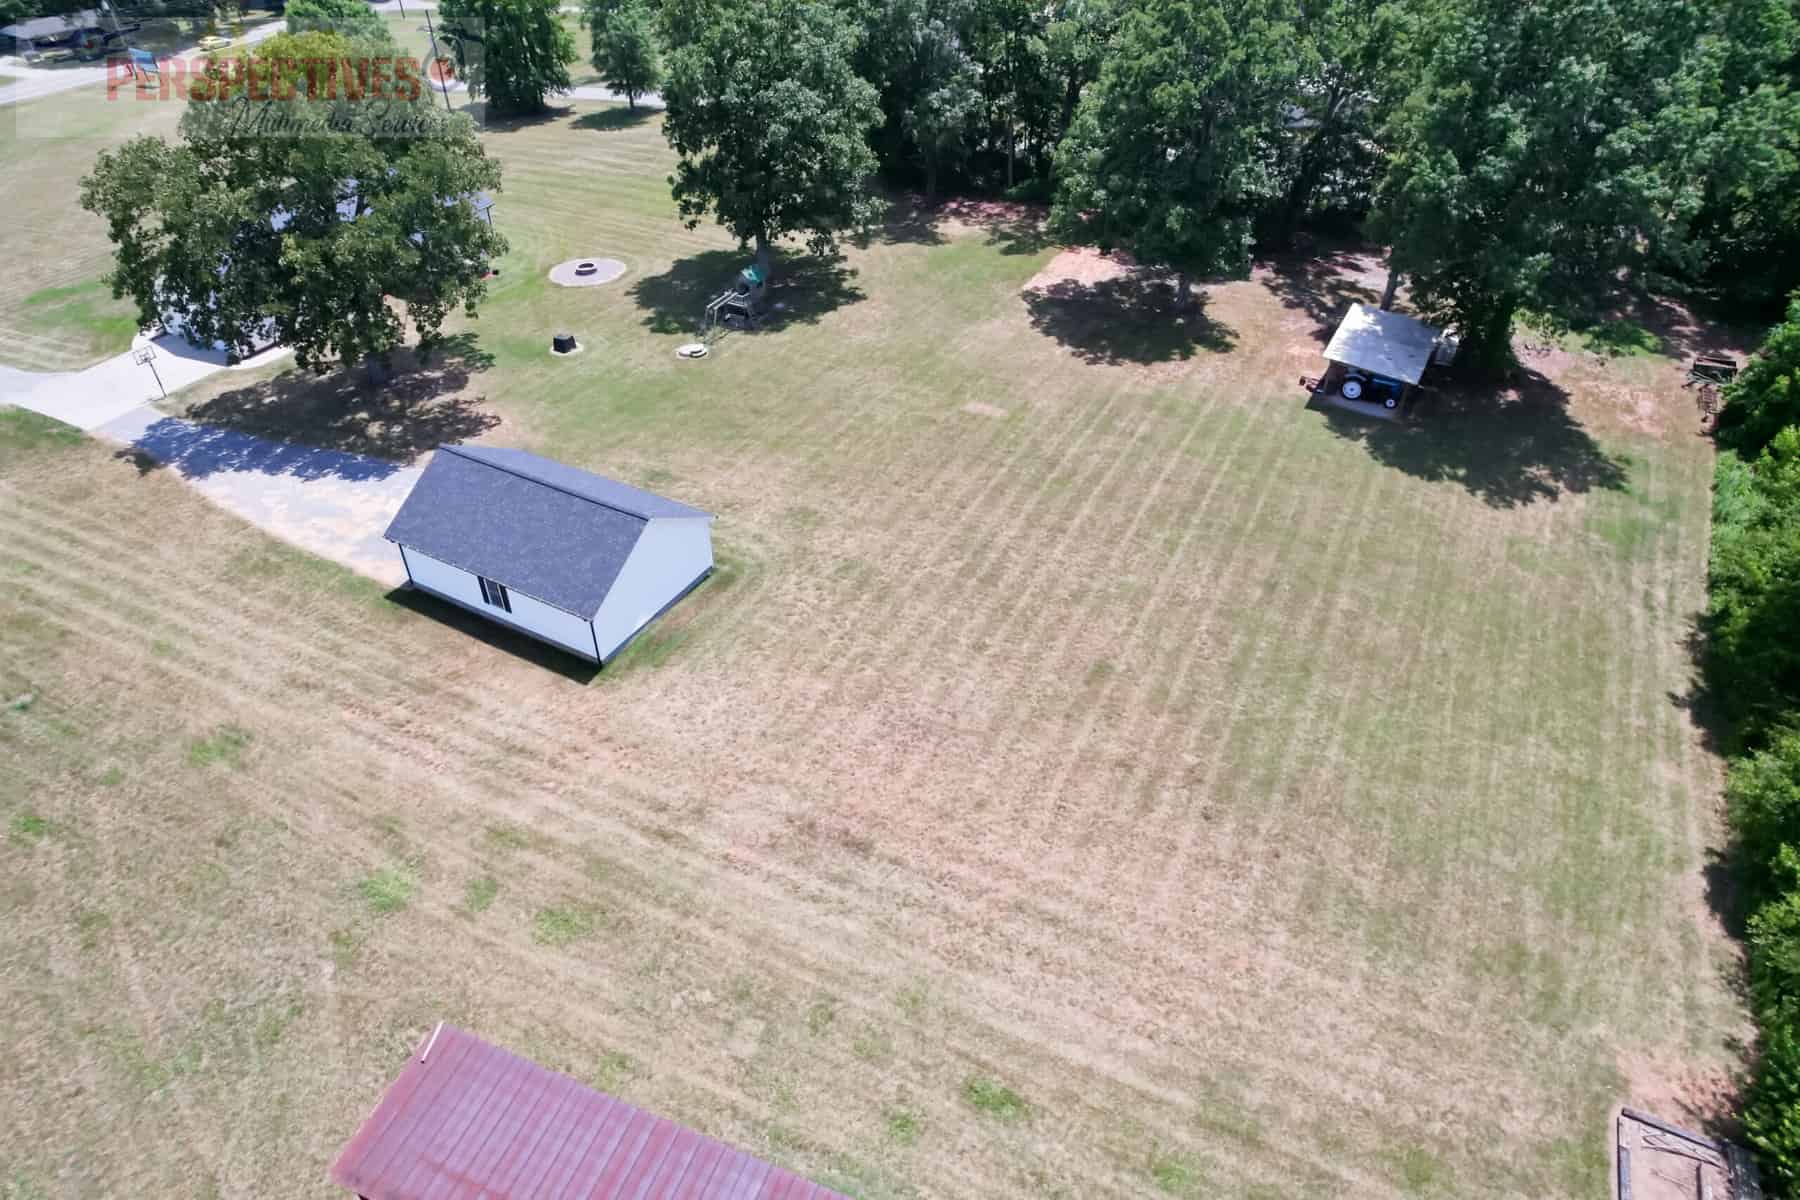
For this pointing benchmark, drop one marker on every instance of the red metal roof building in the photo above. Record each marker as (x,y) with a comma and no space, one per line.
(467,1119)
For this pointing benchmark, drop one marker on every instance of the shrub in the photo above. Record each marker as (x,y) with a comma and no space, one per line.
(1772,1118)
(1753,658)
(1765,397)
(1762,796)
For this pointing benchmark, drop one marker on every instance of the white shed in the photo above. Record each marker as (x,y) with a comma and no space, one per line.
(567,556)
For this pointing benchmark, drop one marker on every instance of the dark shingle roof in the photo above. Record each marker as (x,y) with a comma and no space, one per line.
(547,530)
(585,484)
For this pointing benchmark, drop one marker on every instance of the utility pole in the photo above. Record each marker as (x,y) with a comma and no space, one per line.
(124,37)
(437,57)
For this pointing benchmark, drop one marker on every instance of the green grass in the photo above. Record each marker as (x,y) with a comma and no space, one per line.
(613,1071)
(1421,1173)
(389,889)
(1619,339)
(559,926)
(29,827)
(995,1099)
(994,740)
(903,1126)
(1175,1175)
(56,312)
(479,895)
(508,837)
(223,747)
(90,926)
(24,433)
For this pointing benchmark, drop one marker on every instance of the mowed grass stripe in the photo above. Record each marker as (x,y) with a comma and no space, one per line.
(1174,566)
(1050,783)
(1004,572)
(989,491)
(1291,679)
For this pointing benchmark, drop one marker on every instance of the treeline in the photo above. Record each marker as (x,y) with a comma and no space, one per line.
(1516,157)
(1753,679)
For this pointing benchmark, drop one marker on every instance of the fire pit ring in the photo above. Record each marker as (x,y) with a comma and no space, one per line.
(586,272)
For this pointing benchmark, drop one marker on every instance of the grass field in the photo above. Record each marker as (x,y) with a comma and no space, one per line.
(1090,773)
(56,314)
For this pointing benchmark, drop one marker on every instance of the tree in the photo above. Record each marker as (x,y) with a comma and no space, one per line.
(354,19)
(1074,47)
(1165,157)
(1742,85)
(1753,606)
(1535,155)
(1347,47)
(939,115)
(1005,40)
(305,217)
(1765,397)
(625,51)
(514,52)
(769,119)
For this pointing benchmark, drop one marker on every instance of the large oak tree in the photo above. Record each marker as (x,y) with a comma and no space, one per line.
(516,53)
(1167,154)
(769,118)
(318,217)
(1539,150)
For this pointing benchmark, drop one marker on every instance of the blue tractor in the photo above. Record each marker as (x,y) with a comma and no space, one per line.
(1371,389)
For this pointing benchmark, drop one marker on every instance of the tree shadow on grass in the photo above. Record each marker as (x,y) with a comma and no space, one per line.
(1128,319)
(908,221)
(1511,445)
(488,120)
(1015,228)
(1317,286)
(509,641)
(805,288)
(610,119)
(1642,322)
(340,414)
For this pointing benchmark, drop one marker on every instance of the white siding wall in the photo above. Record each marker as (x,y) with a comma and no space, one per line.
(670,554)
(533,616)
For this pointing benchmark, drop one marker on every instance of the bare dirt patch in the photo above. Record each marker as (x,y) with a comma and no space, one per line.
(1704,1097)
(1084,266)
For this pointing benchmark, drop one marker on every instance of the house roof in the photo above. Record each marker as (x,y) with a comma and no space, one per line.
(467,1119)
(551,531)
(1383,343)
(585,484)
(39,27)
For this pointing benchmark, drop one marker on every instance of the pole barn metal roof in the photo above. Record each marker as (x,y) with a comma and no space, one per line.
(1383,343)
(467,1119)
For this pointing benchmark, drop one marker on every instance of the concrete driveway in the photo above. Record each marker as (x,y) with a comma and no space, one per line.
(334,504)
(90,398)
